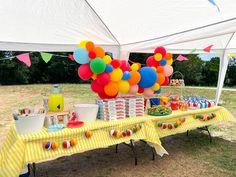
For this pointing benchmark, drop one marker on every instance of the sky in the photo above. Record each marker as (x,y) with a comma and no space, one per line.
(207,56)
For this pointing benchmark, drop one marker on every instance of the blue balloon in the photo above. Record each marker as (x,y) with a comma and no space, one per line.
(126,75)
(163,62)
(109,68)
(148,77)
(81,56)
(158,91)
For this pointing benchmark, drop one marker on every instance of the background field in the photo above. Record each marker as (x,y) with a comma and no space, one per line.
(189,156)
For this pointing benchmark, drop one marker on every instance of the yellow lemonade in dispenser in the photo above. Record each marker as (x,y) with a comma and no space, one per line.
(56,100)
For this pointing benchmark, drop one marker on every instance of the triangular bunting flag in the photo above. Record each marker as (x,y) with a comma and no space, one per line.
(70,56)
(208,49)
(214,4)
(192,51)
(46,56)
(25,58)
(181,58)
(232,55)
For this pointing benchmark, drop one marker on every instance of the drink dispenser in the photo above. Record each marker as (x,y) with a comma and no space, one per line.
(56,100)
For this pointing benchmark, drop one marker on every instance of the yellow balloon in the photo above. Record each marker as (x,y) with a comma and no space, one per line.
(123,86)
(82,44)
(107,59)
(154,68)
(158,57)
(116,75)
(170,61)
(134,67)
(155,87)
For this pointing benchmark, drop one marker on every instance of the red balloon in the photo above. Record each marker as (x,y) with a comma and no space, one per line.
(140,90)
(160,50)
(116,63)
(103,95)
(92,54)
(103,78)
(96,87)
(166,82)
(85,72)
(152,62)
(125,66)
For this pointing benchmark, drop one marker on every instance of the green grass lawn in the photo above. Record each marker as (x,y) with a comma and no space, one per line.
(194,155)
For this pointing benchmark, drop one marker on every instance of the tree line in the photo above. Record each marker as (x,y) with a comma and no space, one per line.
(62,70)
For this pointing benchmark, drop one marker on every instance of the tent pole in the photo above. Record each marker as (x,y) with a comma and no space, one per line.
(222,72)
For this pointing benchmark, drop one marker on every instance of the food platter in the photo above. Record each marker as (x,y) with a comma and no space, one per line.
(159,110)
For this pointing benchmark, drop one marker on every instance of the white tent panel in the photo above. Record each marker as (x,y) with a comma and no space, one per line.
(218,35)
(134,21)
(55,22)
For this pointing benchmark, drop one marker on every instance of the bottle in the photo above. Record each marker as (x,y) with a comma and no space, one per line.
(56,100)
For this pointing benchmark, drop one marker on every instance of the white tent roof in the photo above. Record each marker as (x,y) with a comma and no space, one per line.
(120,26)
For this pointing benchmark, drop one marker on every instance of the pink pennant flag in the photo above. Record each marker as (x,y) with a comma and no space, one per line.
(181,58)
(208,49)
(25,58)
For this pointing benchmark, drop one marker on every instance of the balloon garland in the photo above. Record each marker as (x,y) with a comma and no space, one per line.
(176,124)
(49,145)
(126,132)
(205,118)
(113,76)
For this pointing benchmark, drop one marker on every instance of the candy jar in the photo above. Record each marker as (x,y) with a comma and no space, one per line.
(56,100)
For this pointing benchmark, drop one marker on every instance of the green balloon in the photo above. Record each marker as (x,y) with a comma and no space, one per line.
(97,65)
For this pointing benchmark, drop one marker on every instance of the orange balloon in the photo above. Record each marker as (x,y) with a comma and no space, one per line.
(99,52)
(139,65)
(134,77)
(168,56)
(160,69)
(111,89)
(90,46)
(160,79)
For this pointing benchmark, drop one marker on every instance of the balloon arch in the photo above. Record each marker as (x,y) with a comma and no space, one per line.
(113,76)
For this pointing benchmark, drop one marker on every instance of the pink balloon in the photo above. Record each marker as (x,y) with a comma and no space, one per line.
(85,72)
(148,92)
(103,78)
(168,70)
(125,66)
(133,89)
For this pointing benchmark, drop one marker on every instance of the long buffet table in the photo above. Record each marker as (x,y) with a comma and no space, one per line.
(19,150)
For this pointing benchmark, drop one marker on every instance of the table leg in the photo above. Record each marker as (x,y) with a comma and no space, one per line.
(187,132)
(152,148)
(131,145)
(206,129)
(117,148)
(34,169)
(134,151)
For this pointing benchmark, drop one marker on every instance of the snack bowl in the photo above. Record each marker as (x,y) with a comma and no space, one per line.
(31,122)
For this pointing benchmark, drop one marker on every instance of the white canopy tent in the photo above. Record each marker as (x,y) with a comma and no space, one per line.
(120,26)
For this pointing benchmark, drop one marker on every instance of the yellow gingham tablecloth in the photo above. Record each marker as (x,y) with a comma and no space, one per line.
(19,150)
